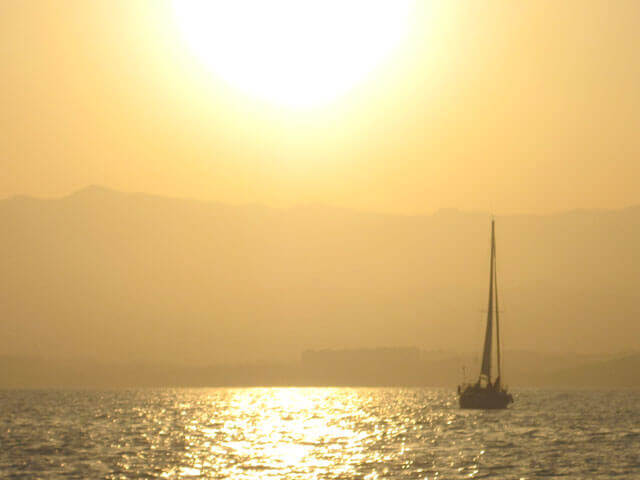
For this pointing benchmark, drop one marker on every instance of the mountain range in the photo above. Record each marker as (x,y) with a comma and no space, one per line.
(127,277)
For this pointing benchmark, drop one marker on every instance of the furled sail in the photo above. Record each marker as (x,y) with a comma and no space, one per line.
(485,371)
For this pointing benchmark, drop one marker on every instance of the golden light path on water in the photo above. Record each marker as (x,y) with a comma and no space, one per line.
(263,433)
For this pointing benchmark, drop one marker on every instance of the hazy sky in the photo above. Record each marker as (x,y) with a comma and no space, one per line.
(528,106)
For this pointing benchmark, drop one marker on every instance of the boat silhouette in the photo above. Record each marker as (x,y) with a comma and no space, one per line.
(485,394)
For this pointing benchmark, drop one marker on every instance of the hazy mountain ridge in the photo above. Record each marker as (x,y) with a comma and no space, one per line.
(135,277)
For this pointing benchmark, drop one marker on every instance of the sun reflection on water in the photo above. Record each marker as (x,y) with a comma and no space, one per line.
(287,429)
(262,433)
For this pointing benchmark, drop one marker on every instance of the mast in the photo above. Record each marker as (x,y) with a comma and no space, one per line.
(488,336)
(495,277)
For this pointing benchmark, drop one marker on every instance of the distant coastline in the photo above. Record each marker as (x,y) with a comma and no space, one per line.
(380,367)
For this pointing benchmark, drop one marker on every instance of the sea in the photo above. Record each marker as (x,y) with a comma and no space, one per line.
(316,433)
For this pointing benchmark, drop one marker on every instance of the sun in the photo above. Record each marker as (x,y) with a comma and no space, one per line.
(298,53)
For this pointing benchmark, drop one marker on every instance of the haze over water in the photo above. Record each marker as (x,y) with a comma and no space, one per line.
(321,433)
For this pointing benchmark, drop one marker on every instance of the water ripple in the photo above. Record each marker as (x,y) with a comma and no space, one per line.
(315,433)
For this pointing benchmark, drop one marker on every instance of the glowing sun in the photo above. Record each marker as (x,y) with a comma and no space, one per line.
(298,53)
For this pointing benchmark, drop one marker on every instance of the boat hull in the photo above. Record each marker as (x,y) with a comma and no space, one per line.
(484,399)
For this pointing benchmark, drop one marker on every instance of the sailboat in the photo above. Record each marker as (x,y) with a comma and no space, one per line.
(485,394)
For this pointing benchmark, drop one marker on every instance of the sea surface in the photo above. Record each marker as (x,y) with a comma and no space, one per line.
(316,433)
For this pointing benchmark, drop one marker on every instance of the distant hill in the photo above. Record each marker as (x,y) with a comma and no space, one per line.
(623,371)
(134,278)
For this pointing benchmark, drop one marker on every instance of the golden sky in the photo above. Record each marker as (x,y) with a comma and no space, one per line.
(529,106)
